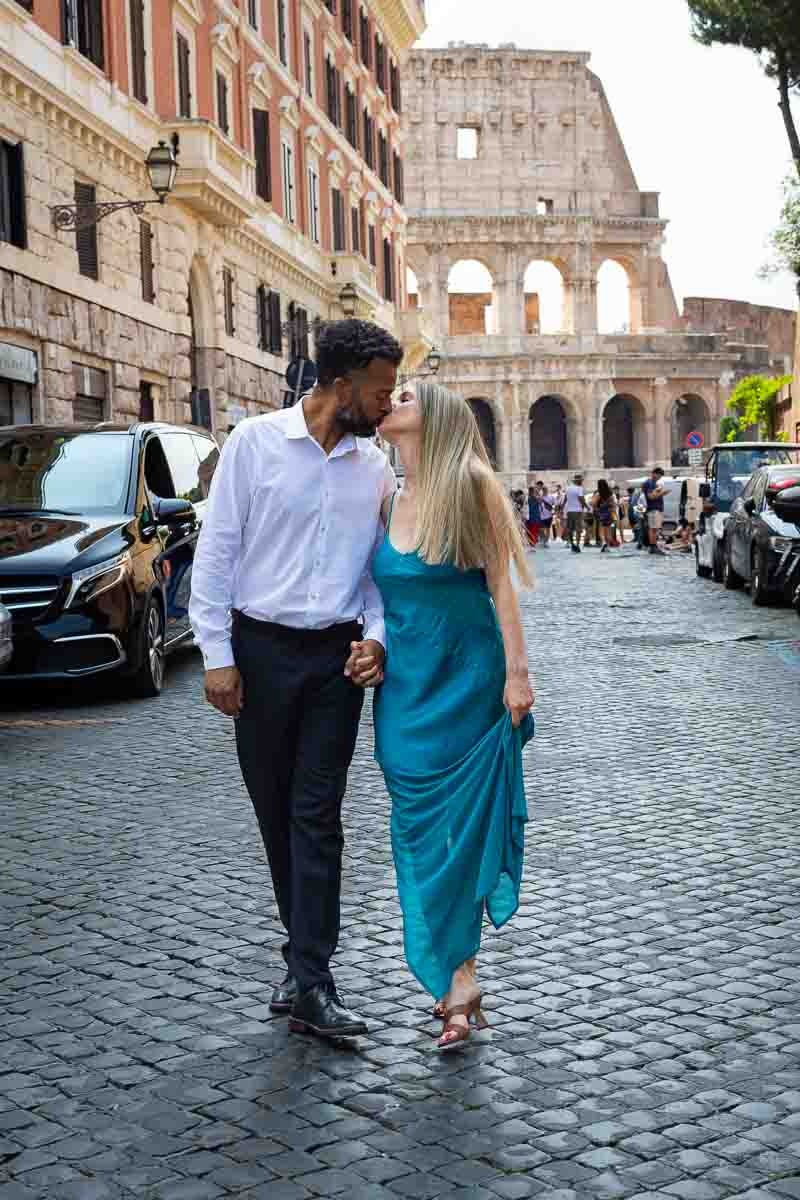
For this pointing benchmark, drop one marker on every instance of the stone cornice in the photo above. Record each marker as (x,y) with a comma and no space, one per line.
(263,251)
(403,22)
(441,218)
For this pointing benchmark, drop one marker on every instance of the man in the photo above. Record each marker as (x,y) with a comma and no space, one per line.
(654,497)
(279,587)
(574,507)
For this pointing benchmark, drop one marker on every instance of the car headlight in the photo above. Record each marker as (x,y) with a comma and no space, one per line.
(782,544)
(92,581)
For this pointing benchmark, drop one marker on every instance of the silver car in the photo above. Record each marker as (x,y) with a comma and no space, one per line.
(6,638)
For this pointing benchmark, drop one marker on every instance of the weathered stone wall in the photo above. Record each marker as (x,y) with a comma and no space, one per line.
(468,312)
(753,323)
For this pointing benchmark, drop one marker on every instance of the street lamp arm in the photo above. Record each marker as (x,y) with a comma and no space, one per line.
(83,216)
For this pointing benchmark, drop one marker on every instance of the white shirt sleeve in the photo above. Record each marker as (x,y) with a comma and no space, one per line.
(374,625)
(218,552)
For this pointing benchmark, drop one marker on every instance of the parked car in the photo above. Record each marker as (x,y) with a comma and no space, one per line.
(6,638)
(787,506)
(729,467)
(672,498)
(758,543)
(98,527)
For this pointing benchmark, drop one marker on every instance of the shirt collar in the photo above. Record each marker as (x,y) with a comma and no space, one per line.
(296,427)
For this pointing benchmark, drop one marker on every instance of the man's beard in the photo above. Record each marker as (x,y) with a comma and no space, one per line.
(356,424)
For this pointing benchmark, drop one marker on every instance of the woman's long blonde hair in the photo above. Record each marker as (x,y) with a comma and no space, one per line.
(463,514)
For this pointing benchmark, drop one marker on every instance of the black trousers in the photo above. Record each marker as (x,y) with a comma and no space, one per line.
(295,738)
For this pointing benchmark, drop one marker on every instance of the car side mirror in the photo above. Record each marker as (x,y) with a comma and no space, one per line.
(749,506)
(786,505)
(705,491)
(174,512)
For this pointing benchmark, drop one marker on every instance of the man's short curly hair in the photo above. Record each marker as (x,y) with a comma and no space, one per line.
(347,346)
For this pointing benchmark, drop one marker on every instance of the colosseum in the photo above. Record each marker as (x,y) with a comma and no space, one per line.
(518,181)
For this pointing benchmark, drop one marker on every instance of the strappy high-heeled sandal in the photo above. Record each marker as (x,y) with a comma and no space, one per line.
(439,1011)
(472,1009)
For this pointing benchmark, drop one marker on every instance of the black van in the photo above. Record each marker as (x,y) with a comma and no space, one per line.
(98,527)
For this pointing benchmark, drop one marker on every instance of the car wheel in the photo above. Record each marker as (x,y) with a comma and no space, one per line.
(729,577)
(703,572)
(148,679)
(759,592)
(718,563)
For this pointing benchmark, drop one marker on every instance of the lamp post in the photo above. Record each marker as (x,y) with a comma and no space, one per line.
(162,167)
(348,300)
(427,370)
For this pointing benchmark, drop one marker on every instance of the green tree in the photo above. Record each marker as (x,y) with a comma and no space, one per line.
(771,29)
(752,403)
(784,242)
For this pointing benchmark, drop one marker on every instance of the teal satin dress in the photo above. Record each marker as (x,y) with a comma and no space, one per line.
(452,761)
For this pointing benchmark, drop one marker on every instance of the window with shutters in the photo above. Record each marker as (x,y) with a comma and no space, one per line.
(82,27)
(12,194)
(373,247)
(380,63)
(91,394)
(222,102)
(298,336)
(252,13)
(347,19)
(283,31)
(364,37)
(355,228)
(268,311)
(399,185)
(351,116)
(263,154)
(262,316)
(275,331)
(86,239)
(183,56)
(369,139)
(308,62)
(339,234)
(383,158)
(228,300)
(388,270)
(394,88)
(287,156)
(16,403)
(313,203)
(334,92)
(146,261)
(138,52)
(147,407)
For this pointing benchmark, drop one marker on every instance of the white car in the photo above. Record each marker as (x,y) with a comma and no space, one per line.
(672,498)
(728,469)
(6,638)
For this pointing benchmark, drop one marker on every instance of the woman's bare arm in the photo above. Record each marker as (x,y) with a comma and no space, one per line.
(518,695)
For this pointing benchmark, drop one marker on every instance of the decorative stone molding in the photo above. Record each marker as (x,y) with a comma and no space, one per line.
(289,110)
(224,42)
(259,75)
(313,137)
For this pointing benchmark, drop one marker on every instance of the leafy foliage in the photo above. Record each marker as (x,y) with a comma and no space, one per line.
(752,402)
(784,242)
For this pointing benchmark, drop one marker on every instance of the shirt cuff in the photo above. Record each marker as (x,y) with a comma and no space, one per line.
(218,655)
(376,632)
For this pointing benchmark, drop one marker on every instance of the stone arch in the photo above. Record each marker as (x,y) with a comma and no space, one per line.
(614,291)
(624,424)
(412,286)
(689,412)
(202,354)
(471,297)
(484,415)
(545,296)
(548,434)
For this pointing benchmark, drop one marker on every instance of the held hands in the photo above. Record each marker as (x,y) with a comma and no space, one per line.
(225,691)
(365,664)
(518,698)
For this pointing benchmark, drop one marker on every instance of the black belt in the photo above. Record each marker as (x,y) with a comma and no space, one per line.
(347,631)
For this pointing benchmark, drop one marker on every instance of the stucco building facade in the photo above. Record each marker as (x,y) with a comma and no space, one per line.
(514,158)
(286,117)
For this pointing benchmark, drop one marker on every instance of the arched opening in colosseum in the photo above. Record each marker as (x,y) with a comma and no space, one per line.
(485,418)
(412,288)
(613,298)
(544,298)
(623,432)
(472,299)
(547,423)
(689,415)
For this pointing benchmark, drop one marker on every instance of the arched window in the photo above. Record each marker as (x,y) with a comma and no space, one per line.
(412,288)
(613,298)
(485,418)
(544,298)
(548,435)
(623,432)
(472,303)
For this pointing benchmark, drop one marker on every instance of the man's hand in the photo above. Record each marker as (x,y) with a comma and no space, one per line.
(365,664)
(518,698)
(224,689)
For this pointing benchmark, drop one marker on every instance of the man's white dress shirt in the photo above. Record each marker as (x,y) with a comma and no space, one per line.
(289,533)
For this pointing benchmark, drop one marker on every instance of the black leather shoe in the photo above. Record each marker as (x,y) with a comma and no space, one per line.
(320,1011)
(284,996)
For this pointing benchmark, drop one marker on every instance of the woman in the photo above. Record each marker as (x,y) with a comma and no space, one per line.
(558,513)
(454,711)
(546,508)
(604,503)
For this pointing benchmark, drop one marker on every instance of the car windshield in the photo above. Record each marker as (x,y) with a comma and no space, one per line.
(64,472)
(735,466)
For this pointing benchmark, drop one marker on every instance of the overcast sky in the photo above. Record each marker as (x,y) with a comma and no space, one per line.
(701,126)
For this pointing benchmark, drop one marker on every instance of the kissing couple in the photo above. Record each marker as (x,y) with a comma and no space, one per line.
(314,579)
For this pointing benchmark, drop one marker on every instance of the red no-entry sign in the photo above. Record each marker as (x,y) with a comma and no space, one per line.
(695,440)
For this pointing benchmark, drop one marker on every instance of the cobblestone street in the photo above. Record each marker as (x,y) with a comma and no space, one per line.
(645,1002)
